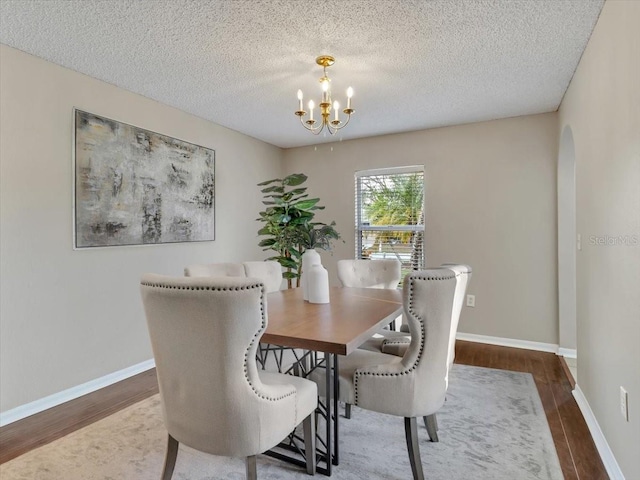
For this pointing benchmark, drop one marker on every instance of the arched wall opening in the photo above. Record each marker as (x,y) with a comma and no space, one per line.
(567,244)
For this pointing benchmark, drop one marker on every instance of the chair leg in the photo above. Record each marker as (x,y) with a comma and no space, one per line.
(431,422)
(347,410)
(252,470)
(170,458)
(309,429)
(411,434)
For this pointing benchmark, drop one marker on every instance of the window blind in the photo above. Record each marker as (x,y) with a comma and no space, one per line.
(390,215)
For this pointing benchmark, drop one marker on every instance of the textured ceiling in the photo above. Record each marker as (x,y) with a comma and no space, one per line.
(413,64)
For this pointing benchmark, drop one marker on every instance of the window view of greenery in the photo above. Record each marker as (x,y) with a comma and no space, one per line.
(391,218)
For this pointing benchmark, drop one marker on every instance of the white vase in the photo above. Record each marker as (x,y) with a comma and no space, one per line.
(318,284)
(309,257)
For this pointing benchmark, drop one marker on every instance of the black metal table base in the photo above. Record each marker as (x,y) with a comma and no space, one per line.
(292,449)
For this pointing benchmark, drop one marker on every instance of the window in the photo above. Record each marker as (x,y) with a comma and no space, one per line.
(390,215)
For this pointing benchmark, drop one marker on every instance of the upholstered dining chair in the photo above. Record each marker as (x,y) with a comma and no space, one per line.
(215,270)
(359,273)
(269,271)
(204,334)
(414,385)
(397,343)
(383,273)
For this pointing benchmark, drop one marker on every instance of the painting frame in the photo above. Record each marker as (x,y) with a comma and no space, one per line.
(132,186)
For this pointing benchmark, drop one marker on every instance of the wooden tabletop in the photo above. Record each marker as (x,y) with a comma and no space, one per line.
(352,316)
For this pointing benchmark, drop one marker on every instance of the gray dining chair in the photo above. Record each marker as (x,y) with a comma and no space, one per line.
(414,385)
(204,333)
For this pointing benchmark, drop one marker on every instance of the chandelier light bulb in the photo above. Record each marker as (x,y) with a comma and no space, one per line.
(325,91)
(300,99)
(349,95)
(336,107)
(311,106)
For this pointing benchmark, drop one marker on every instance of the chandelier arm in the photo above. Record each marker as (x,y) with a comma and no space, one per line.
(333,129)
(345,123)
(316,130)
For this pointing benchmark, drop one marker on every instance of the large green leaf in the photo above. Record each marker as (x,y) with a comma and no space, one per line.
(267,182)
(298,197)
(306,204)
(299,221)
(288,263)
(273,188)
(295,179)
(267,242)
(291,275)
(275,259)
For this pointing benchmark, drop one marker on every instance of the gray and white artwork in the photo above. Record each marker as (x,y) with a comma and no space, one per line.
(135,187)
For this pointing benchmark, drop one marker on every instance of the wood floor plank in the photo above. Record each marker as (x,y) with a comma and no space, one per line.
(45,427)
(579,458)
(576,430)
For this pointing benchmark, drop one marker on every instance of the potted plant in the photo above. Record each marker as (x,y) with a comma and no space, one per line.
(288,225)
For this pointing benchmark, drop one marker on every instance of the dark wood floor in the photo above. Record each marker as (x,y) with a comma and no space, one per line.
(578,455)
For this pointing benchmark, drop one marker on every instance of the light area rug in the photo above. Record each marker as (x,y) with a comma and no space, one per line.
(492,426)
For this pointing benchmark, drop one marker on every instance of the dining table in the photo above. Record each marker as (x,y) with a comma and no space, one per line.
(324,332)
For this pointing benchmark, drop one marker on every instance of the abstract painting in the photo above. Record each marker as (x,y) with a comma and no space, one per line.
(137,187)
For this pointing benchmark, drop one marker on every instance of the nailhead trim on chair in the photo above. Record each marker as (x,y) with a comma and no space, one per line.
(359,373)
(246,357)
(219,289)
(255,336)
(402,341)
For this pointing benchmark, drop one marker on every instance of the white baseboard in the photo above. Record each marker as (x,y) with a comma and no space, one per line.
(72,393)
(610,463)
(508,342)
(567,352)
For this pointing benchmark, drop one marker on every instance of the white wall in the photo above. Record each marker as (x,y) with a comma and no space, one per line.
(602,107)
(68,317)
(490,203)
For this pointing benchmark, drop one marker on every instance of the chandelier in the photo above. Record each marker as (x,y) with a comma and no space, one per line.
(325,104)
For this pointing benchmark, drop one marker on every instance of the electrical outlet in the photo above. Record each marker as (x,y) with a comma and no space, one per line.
(624,403)
(471,300)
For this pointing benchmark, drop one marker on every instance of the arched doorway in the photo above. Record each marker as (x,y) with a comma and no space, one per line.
(567,244)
